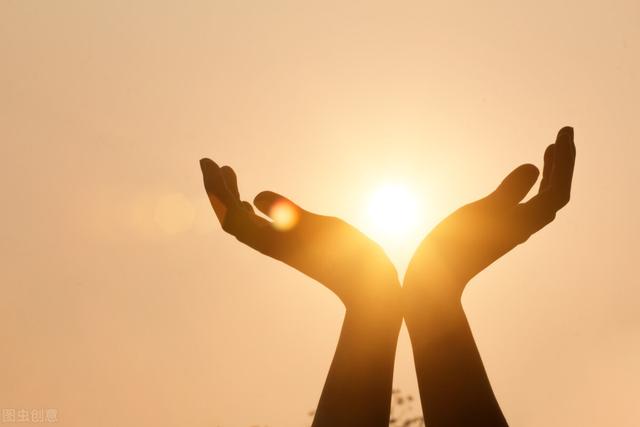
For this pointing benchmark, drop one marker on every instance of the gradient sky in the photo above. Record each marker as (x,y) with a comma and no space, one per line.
(121,303)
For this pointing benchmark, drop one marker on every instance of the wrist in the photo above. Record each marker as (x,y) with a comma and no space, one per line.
(430,300)
(376,317)
(381,302)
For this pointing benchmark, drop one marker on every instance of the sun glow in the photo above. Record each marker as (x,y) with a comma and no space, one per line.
(392,211)
(394,217)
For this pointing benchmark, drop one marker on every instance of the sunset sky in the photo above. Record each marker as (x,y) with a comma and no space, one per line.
(123,304)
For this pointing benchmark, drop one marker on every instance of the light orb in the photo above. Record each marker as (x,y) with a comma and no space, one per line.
(284,215)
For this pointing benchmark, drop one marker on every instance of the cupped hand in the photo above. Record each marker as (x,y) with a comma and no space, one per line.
(324,248)
(479,233)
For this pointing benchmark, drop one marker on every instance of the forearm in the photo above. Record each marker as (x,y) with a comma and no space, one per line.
(357,391)
(454,387)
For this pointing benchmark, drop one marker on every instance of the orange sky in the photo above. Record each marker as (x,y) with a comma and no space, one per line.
(122,304)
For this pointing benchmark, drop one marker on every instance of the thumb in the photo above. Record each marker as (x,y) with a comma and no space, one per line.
(284,213)
(516,185)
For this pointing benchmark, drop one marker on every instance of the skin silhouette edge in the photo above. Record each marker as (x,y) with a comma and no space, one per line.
(454,387)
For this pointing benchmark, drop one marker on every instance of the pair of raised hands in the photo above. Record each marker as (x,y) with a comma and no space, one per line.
(453,386)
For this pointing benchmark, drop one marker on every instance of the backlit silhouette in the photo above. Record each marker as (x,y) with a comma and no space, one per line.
(454,387)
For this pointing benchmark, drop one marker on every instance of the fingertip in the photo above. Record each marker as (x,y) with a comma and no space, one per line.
(262,199)
(230,177)
(516,185)
(530,171)
(283,211)
(548,153)
(265,199)
(526,174)
(207,164)
(227,169)
(565,133)
(564,149)
(261,196)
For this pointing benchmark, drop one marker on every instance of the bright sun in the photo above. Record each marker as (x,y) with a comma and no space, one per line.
(392,211)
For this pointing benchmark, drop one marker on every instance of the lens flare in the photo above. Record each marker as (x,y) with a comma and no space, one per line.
(174,213)
(284,215)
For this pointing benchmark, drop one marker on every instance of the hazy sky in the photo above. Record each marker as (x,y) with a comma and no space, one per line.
(121,303)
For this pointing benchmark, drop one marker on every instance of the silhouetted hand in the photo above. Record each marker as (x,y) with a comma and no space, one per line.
(358,388)
(454,387)
(324,248)
(477,234)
